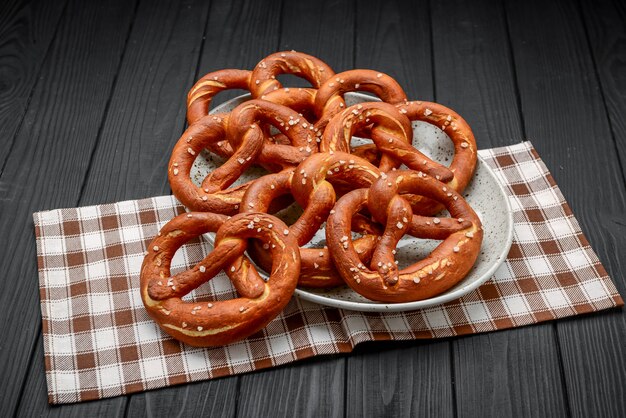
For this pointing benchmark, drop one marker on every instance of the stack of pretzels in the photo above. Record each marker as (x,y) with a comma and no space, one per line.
(367,198)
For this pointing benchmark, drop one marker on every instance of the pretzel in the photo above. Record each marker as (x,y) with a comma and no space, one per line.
(207,324)
(300,100)
(289,122)
(465,157)
(316,270)
(261,81)
(250,145)
(382,281)
(263,78)
(391,132)
(329,98)
(200,96)
(210,197)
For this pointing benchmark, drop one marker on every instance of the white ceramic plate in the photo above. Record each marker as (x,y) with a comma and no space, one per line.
(484,194)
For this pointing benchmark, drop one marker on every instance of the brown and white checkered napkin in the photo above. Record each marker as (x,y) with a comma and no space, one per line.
(99,342)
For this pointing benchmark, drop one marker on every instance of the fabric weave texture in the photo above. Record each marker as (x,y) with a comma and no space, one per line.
(99,341)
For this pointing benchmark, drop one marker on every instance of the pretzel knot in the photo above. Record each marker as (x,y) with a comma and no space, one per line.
(210,196)
(391,132)
(206,324)
(296,129)
(263,78)
(329,98)
(445,266)
(311,183)
(465,151)
(242,128)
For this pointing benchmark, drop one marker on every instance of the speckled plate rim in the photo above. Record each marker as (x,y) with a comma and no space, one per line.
(437,300)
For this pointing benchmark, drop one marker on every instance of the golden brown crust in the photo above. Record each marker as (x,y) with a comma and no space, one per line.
(207,324)
(201,94)
(283,129)
(211,197)
(329,98)
(382,281)
(391,132)
(316,268)
(263,78)
(245,128)
(465,157)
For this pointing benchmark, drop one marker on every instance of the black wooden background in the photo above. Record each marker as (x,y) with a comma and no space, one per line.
(92,100)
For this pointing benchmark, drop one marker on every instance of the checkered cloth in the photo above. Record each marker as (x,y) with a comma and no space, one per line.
(99,341)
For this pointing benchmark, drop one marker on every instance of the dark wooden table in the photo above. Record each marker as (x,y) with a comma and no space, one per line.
(92,99)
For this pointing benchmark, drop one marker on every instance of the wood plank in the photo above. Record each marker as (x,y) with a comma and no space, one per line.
(148,107)
(146,116)
(239,35)
(394,37)
(213,398)
(400,379)
(27,28)
(410,378)
(314,387)
(509,373)
(310,27)
(565,115)
(310,388)
(473,70)
(48,162)
(244,27)
(605,23)
(512,372)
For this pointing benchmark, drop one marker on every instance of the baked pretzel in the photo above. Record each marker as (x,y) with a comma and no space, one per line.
(242,130)
(391,132)
(382,281)
(329,98)
(465,157)
(316,270)
(300,100)
(200,96)
(295,127)
(263,78)
(206,324)
(211,196)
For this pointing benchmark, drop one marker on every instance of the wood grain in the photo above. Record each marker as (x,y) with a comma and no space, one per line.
(147,109)
(310,27)
(386,379)
(394,37)
(400,379)
(473,70)
(145,115)
(566,118)
(239,34)
(512,372)
(48,162)
(227,25)
(605,24)
(213,398)
(509,373)
(310,388)
(26,30)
